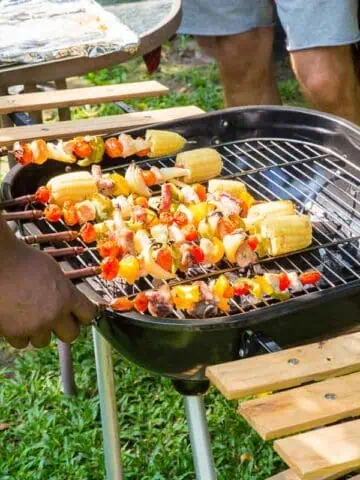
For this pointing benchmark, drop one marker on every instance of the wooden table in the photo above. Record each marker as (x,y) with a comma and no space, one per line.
(155,21)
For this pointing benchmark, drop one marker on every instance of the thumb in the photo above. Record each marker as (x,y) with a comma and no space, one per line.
(83,309)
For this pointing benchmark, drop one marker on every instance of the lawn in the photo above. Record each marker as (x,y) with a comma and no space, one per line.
(45,436)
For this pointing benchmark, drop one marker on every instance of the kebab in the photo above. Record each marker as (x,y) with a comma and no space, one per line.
(202,299)
(90,149)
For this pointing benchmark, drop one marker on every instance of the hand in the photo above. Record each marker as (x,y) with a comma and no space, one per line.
(36,298)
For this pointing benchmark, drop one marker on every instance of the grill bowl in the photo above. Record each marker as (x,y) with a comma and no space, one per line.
(182,348)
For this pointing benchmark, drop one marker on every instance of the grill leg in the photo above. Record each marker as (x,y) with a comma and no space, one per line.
(66,368)
(199,437)
(109,421)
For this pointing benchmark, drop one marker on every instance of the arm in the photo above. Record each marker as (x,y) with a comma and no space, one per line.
(35,297)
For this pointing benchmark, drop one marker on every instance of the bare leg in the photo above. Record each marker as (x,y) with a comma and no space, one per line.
(328,80)
(246,67)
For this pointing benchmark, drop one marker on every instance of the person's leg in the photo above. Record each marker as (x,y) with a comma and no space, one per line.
(319,35)
(246,67)
(328,80)
(239,34)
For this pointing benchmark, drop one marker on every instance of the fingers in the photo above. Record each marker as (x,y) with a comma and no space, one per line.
(83,309)
(18,342)
(67,329)
(41,340)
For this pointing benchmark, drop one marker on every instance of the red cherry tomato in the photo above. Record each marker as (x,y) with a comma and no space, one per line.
(181,219)
(109,248)
(42,195)
(113,147)
(141,302)
(197,254)
(53,213)
(121,304)
(253,242)
(164,259)
(82,149)
(88,233)
(109,268)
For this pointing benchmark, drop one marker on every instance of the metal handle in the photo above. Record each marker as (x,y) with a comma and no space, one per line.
(252,342)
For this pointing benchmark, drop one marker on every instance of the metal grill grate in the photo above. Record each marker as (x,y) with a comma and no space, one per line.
(319,181)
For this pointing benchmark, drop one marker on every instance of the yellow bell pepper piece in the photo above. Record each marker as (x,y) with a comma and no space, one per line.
(121,186)
(218,250)
(199,210)
(129,269)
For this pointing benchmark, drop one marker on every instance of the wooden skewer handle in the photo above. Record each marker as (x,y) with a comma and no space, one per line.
(16,202)
(51,237)
(82,273)
(64,252)
(28,215)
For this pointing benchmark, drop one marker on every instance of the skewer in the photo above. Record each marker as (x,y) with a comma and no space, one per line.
(67,236)
(15,202)
(82,273)
(27,215)
(64,252)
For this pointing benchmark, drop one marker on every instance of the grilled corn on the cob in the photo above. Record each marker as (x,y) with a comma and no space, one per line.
(74,186)
(257,213)
(202,164)
(163,142)
(287,233)
(234,187)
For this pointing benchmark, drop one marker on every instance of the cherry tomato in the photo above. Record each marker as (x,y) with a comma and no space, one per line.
(121,304)
(113,147)
(109,248)
(42,195)
(109,268)
(197,254)
(70,214)
(200,191)
(23,153)
(88,233)
(143,153)
(82,149)
(253,242)
(149,177)
(164,259)
(190,233)
(241,289)
(53,213)
(166,218)
(310,278)
(141,302)
(142,202)
(181,219)
(284,282)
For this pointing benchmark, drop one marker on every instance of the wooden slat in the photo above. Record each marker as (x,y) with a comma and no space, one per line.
(290,475)
(303,408)
(287,368)
(324,451)
(97,125)
(28,102)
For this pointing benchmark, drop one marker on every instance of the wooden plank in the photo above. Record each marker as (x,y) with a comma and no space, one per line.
(302,408)
(28,102)
(287,368)
(291,475)
(99,125)
(324,451)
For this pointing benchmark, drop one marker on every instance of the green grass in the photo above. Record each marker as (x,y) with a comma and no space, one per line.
(55,438)
(52,437)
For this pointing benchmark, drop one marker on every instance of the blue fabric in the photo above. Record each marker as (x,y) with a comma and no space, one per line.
(307,23)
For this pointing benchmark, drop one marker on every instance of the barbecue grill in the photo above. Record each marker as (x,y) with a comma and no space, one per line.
(279,153)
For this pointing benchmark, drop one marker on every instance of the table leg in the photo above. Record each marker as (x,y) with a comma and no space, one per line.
(110,427)
(64,113)
(37,115)
(199,437)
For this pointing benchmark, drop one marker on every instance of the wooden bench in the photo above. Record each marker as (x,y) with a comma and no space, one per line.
(317,385)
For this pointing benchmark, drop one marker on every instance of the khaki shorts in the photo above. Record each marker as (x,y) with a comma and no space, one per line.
(307,23)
